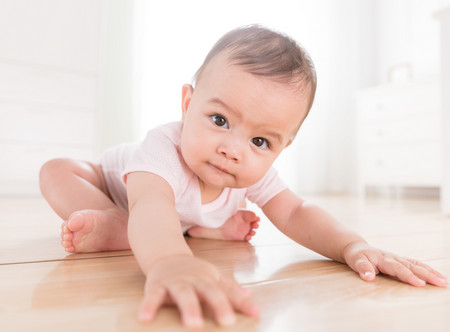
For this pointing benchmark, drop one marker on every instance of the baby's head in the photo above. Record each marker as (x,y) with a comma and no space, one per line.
(269,54)
(251,96)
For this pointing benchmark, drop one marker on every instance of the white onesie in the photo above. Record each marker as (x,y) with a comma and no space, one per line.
(160,154)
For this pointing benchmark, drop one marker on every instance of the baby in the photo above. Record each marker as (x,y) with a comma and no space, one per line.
(251,96)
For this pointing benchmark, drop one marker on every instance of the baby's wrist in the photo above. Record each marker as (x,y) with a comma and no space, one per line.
(352,247)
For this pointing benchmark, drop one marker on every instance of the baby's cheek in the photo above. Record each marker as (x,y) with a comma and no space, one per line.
(197,140)
(252,175)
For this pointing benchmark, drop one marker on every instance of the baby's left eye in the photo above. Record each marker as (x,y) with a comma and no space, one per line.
(260,142)
(219,121)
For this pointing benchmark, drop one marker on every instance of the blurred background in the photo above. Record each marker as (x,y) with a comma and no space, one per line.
(79,76)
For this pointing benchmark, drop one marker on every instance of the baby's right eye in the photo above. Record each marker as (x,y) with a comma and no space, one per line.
(219,121)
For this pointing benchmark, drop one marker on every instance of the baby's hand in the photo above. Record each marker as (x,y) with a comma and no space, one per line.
(186,282)
(369,261)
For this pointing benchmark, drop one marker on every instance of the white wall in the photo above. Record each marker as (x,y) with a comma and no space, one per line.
(409,34)
(118,118)
(351,63)
(49,82)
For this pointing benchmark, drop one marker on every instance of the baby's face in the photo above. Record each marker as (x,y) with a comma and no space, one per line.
(236,124)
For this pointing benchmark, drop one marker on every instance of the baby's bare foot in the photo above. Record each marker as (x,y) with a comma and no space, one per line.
(95,230)
(240,227)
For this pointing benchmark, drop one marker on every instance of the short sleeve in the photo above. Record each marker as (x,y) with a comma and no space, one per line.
(159,154)
(266,188)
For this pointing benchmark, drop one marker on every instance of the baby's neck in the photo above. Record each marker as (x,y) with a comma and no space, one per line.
(208,193)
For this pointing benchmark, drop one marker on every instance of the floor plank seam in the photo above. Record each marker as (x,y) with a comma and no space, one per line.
(251,246)
(128,255)
(64,260)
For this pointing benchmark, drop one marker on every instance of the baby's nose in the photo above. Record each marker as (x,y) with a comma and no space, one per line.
(231,149)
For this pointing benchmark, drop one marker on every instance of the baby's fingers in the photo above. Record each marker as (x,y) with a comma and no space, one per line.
(187,301)
(407,271)
(241,300)
(219,303)
(424,272)
(153,299)
(364,267)
(391,266)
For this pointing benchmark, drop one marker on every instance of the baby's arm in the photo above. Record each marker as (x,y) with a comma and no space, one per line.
(314,228)
(174,275)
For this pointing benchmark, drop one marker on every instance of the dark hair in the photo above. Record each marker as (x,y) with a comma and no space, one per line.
(267,53)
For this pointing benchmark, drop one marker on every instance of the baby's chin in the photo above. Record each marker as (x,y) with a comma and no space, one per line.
(221,181)
(234,185)
(221,184)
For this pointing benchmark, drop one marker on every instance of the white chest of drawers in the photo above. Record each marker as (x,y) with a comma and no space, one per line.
(399,135)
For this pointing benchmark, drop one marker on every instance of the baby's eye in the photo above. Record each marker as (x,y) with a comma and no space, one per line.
(219,121)
(260,142)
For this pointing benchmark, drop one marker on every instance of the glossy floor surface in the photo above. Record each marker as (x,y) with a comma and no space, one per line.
(44,289)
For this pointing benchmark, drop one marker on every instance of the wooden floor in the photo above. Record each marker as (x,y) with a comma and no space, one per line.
(43,289)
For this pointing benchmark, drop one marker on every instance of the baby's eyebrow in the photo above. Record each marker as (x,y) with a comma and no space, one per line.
(275,136)
(222,104)
(216,100)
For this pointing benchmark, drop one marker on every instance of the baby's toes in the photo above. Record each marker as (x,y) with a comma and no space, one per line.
(67,237)
(248,215)
(76,222)
(69,248)
(254,224)
(67,243)
(65,231)
(249,236)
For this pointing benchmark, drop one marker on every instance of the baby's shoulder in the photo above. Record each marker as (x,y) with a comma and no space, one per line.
(170,132)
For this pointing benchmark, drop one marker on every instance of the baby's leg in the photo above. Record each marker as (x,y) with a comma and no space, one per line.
(240,227)
(77,192)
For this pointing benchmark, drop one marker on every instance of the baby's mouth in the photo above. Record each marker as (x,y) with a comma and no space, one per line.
(223,170)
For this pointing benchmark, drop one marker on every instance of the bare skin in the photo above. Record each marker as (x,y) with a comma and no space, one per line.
(96,230)
(103,226)
(239,227)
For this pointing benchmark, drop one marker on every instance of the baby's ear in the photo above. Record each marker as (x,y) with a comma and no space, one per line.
(186,95)
(291,139)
